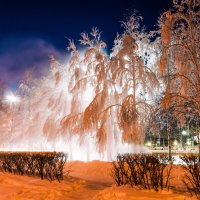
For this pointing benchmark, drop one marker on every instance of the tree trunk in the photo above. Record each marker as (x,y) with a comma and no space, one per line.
(199,150)
(169,146)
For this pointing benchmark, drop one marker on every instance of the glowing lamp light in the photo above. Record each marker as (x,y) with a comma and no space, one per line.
(148,144)
(188,142)
(184,132)
(175,143)
(11,98)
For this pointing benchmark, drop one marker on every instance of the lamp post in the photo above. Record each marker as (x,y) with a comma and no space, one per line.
(13,100)
(149,144)
(183,133)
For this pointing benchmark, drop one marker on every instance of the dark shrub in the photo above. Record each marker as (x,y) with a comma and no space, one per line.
(142,170)
(47,165)
(192,174)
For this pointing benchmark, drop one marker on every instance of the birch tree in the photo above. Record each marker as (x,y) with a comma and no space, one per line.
(180,61)
(122,88)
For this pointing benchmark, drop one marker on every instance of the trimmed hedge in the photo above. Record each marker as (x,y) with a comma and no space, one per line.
(48,165)
(145,171)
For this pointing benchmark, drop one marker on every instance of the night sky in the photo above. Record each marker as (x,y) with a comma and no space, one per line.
(31,30)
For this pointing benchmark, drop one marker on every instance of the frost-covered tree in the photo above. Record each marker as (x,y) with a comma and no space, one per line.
(180,61)
(121,86)
(134,73)
(89,78)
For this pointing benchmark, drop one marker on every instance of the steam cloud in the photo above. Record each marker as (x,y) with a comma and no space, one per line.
(18,55)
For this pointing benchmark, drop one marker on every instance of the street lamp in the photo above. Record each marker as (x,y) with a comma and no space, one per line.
(149,144)
(175,143)
(184,132)
(13,100)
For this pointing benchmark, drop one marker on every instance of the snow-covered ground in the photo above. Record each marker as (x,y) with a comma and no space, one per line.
(86,181)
